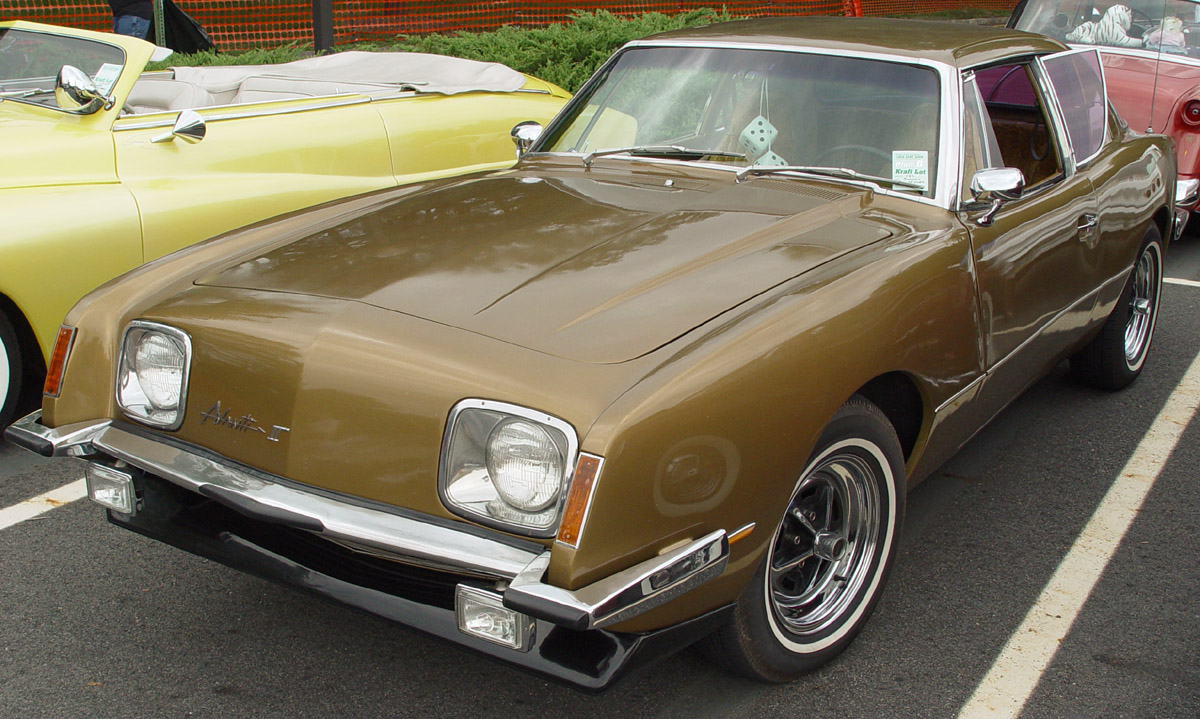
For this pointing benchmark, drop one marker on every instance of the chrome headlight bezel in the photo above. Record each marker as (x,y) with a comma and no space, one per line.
(131,398)
(464,483)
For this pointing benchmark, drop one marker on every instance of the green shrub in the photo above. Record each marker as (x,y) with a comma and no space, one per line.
(257,56)
(565,54)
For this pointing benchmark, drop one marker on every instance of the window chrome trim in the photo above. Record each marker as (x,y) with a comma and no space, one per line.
(1047,86)
(214,114)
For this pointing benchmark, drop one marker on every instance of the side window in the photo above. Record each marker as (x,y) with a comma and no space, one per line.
(981,150)
(1020,121)
(1079,85)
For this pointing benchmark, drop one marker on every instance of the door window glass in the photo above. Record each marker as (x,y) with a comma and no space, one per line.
(1079,84)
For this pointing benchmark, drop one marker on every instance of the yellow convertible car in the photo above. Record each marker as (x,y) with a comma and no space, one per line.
(106,167)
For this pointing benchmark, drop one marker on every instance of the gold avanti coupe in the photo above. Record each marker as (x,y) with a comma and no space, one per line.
(666,380)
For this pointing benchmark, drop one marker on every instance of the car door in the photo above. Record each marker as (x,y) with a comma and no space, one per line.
(1037,257)
(253,162)
(459,133)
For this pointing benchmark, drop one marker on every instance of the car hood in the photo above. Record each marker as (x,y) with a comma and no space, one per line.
(588,265)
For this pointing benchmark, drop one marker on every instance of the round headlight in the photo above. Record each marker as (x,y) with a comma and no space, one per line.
(525,465)
(158,365)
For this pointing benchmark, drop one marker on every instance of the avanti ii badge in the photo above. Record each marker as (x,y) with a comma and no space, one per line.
(245,423)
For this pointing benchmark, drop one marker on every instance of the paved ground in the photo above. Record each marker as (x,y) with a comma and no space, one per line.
(98,622)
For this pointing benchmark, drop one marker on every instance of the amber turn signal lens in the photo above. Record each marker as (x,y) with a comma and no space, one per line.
(58,360)
(579,499)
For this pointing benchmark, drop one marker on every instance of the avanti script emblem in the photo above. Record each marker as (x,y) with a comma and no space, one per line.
(221,417)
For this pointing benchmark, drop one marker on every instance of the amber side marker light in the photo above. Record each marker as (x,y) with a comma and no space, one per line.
(58,360)
(579,498)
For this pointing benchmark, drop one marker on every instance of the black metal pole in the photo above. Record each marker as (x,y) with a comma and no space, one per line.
(322,25)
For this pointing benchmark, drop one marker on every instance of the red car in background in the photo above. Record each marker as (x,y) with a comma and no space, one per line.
(1150,50)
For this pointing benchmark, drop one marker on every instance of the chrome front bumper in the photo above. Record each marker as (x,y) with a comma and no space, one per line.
(516,565)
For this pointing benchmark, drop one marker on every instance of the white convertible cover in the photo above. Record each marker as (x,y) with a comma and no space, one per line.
(391,71)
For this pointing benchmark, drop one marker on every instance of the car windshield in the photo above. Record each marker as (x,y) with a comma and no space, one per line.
(1172,26)
(876,120)
(30,61)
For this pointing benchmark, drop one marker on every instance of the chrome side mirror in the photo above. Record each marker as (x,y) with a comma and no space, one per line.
(524,134)
(996,186)
(75,92)
(189,127)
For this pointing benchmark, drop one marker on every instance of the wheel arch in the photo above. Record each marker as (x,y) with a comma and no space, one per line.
(1163,221)
(31,352)
(900,400)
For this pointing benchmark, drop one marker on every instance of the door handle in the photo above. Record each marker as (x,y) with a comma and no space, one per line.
(1088,222)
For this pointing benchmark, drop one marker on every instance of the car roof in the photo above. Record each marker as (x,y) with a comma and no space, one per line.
(960,45)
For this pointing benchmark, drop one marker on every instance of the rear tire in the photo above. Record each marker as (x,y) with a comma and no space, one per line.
(830,555)
(1115,357)
(11,372)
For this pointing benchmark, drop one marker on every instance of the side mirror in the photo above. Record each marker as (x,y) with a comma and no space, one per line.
(189,127)
(524,134)
(75,92)
(996,186)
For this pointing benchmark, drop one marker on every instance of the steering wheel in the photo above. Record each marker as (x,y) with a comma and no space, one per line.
(882,155)
(1135,12)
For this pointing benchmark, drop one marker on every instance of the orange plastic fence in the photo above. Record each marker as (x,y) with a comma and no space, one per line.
(238,24)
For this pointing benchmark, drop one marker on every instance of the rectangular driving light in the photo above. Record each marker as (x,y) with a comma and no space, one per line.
(110,488)
(482,614)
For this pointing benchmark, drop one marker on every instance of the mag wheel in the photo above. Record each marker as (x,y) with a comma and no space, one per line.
(829,556)
(1114,358)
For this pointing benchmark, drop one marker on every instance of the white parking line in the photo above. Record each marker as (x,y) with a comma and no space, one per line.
(1015,673)
(1180,281)
(42,503)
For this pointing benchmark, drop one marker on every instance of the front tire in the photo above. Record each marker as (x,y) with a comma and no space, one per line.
(1114,358)
(11,372)
(830,555)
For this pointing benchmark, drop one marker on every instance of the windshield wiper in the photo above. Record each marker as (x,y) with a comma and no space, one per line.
(659,151)
(839,172)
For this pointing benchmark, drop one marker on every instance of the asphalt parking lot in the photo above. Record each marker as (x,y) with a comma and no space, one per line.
(98,622)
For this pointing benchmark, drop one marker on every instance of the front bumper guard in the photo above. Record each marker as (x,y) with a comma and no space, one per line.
(406,536)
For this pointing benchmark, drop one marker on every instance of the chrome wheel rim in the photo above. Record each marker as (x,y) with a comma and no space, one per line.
(1142,305)
(826,544)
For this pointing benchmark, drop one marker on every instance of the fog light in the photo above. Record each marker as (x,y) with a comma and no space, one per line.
(110,488)
(483,614)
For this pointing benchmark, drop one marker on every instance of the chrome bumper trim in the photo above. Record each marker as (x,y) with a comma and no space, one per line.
(1181,220)
(404,537)
(72,440)
(613,599)
(623,595)
(1187,192)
